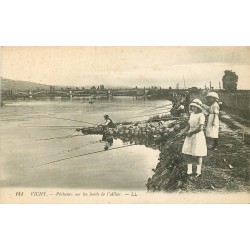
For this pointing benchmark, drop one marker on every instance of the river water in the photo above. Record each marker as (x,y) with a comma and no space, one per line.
(32,134)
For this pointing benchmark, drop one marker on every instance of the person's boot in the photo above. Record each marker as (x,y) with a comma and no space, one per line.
(198,171)
(189,169)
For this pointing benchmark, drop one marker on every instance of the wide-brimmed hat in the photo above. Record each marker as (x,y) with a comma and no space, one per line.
(197,103)
(106,116)
(213,94)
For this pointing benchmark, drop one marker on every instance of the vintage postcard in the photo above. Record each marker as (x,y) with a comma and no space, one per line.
(125,125)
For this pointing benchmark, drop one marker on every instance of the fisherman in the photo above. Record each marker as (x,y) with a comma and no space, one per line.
(187,102)
(108,122)
(178,109)
(108,132)
(174,100)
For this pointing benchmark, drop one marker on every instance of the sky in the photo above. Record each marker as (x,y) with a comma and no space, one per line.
(126,66)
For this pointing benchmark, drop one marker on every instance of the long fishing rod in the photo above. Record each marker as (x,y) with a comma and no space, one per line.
(147,115)
(159,119)
(51,126)
(99,124)
(54,127)
(166,119)
(61,118)
(66,119)
(60,137)
(163,106)
(76,156)
(159,110)
(77,148)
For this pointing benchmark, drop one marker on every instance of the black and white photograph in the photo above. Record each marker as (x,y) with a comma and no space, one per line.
(124,124)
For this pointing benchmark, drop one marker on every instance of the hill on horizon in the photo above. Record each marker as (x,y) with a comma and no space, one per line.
(7,84)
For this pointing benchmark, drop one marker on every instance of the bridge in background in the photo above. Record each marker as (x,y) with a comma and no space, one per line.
(72,93)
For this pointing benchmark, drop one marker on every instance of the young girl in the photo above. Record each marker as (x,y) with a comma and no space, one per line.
(195,142)
(212,131)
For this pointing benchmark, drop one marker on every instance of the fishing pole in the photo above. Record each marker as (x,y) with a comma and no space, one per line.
(60,137)
(56,129)
(66,119)
(159,119)
(95,123)
(52,126)
(164,110)
(163,106)
(76,156)
(77,148)
(147,115)
(166,119)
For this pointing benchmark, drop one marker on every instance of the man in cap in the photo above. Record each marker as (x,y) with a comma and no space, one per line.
(108,132)
(108,122)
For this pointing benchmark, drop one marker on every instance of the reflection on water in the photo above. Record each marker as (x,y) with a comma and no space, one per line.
(30,137)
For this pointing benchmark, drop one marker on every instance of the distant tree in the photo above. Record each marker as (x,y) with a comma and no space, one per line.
(170,87)
(93,87)
(193,88)
(230,80)
(83,88)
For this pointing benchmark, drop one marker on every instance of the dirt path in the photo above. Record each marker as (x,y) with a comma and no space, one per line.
(229,166)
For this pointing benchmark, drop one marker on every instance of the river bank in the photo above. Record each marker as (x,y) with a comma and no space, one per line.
(44,132)
(225,170)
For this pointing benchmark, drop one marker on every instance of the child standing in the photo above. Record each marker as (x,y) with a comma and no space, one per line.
(212,131)
(194,146)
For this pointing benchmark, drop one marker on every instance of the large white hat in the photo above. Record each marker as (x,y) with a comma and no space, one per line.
(213,94)
(197,103)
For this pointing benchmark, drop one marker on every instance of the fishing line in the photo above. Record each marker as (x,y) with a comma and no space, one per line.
(76,156)
(66,119)
(48,126)
(163,106)
(163,110)
(60,137)
(147,115)
(79,147)
(56,129)
(159,119)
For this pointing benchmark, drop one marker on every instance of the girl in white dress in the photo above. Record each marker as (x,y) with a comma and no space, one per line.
(194,146)
(212,131)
